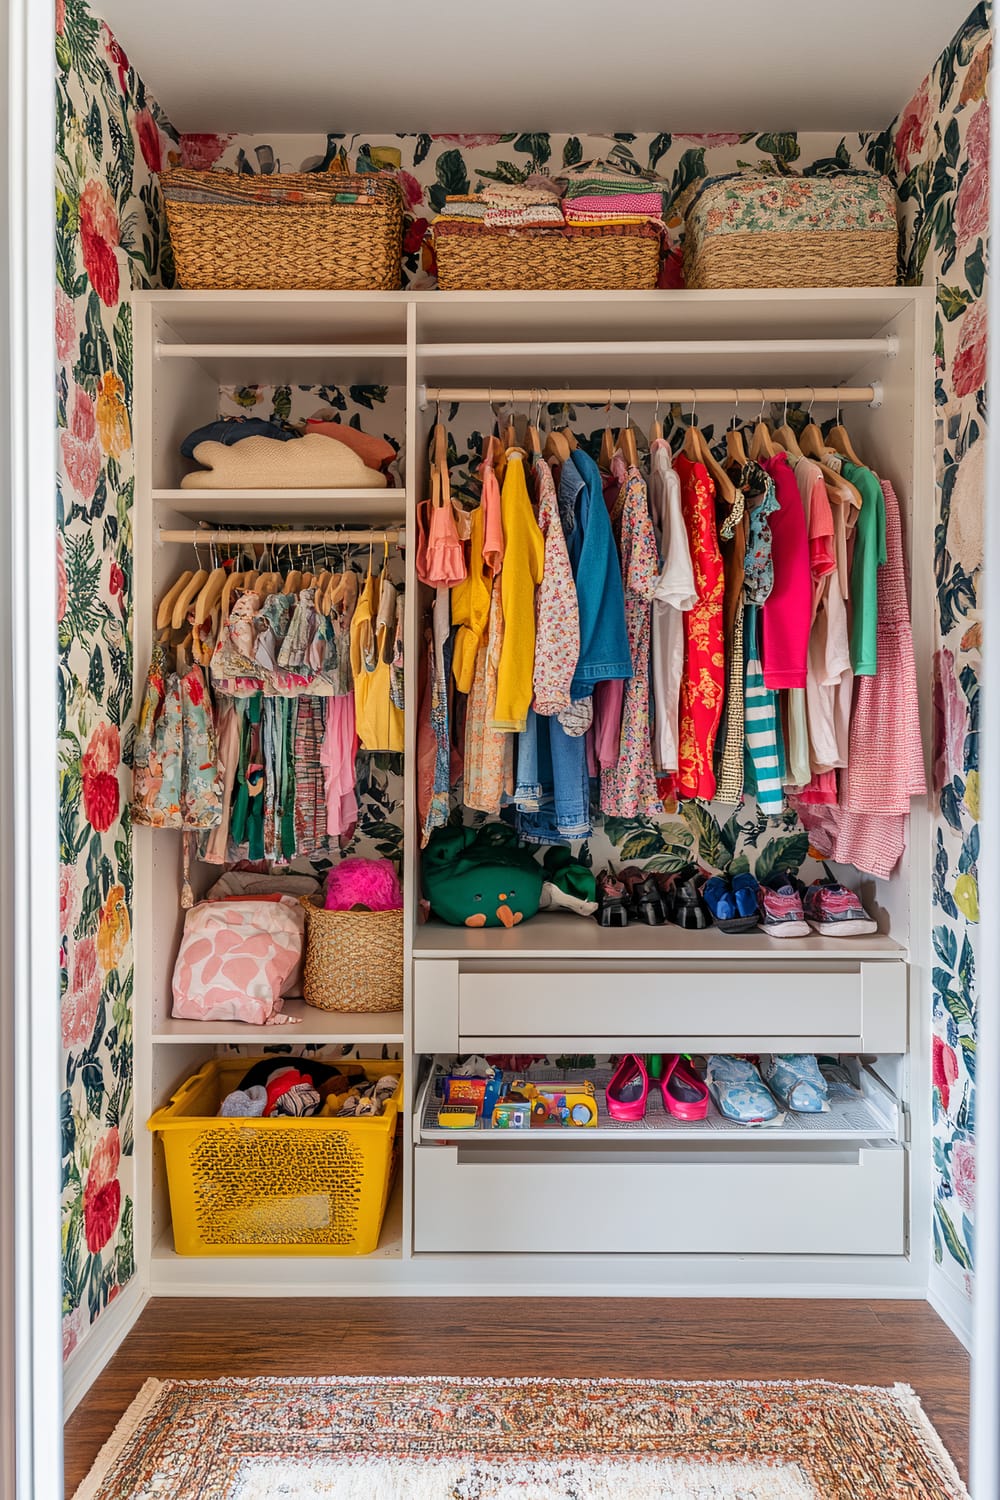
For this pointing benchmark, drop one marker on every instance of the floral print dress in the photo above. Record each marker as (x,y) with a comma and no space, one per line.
(628,788)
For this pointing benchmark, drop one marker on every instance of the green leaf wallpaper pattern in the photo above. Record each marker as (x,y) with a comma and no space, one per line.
(111,139)
(937,152)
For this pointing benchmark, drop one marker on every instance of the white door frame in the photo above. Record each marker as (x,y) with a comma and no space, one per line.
(31,1465)
(985,1446)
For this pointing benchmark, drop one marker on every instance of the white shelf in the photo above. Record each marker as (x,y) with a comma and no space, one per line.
(566,936)
(225,506)
(874,1118)
(365,1029)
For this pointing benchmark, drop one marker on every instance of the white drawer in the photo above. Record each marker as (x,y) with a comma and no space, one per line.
(749,1200)
(479,1006)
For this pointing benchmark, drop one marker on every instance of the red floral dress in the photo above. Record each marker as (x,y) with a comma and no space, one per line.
(703,682)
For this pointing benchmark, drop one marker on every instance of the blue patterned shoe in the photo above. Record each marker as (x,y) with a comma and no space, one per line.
(738,1090)
(795,1080)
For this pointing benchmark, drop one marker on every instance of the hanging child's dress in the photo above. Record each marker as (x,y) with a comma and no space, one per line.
(703,683)
(628,788)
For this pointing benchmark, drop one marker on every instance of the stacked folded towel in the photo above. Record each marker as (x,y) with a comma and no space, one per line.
(533,204)
(603,194)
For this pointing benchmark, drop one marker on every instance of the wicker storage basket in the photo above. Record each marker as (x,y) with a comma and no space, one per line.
(749,231)
(354,959)
(284,233)
(608,257)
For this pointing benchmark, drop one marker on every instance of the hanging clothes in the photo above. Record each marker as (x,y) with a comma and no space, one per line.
(379,722)
(734,533)
(628,788)
(557,642)
(870,544)
(470,606)
(885,766)
(703,683)
(521,574)
(604,643)
(489,753)
(675,593)
(787,615)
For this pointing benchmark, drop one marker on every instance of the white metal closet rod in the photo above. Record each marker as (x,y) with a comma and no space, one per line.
(209,538)
(599,395)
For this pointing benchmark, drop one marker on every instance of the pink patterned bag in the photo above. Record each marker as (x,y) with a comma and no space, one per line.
(238,959)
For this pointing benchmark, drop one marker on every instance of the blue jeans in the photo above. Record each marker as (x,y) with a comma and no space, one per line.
(553,788)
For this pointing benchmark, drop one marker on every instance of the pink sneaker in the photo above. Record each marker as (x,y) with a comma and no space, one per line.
(781,906)
(834,911)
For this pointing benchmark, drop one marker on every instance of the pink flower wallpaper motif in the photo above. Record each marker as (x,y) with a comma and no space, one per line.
(937,151)
(111,137)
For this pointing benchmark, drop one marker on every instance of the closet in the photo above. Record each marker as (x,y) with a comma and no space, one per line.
(825,1202)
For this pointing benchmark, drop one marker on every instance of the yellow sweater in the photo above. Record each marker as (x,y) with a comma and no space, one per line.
(524,548)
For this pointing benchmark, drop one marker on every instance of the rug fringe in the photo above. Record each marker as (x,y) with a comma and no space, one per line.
(117,1442)
(927,1435)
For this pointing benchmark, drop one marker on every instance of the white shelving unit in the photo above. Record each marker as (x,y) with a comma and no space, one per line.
(840,1207)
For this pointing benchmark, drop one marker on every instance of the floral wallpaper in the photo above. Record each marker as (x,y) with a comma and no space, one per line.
(937,151)
(111,138)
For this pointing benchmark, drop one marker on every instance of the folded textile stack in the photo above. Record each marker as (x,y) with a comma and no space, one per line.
(600,194)
(251,453)
(517,205)
(191,185)
(533,204)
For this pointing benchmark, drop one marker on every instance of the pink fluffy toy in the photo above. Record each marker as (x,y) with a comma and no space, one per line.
(371,884)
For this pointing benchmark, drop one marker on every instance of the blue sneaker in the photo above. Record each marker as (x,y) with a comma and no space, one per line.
(730,908)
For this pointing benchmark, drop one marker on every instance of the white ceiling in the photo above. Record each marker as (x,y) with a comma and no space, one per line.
(493,65)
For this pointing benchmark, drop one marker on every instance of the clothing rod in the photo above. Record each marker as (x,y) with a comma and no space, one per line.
(270,537)
(744,395)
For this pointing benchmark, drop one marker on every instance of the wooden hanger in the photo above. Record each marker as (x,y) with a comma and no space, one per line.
(293,582)
(607,451)
(164,614)
(210,595)
(557,447)
(532,436)
(656,430)
(786,437)
(761,445)
(628,447)
(811,442)
(724,486)
(736,452)
(182,601)
(233,582)
(838,439)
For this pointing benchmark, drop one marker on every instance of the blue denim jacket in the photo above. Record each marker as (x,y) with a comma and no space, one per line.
(604,647)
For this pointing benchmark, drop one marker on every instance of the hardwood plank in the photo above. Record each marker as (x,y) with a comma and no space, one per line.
(864,1343)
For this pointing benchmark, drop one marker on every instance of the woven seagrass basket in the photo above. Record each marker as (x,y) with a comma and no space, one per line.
(315,244)
(747,232)
(354,959)
(619,257)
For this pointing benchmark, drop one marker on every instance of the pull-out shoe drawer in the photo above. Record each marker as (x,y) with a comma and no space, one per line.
(780,1199)
(474,1005)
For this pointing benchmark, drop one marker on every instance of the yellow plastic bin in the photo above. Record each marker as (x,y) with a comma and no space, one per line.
(316,1186)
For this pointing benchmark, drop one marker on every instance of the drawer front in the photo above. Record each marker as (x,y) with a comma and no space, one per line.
(590,1200)
(839,1007)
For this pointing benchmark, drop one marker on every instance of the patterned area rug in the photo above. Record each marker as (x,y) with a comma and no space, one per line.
(401,1438)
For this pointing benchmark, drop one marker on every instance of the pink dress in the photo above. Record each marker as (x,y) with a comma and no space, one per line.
(886,762)
(787,615)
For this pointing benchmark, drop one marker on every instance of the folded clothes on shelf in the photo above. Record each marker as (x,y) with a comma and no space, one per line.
(268,463)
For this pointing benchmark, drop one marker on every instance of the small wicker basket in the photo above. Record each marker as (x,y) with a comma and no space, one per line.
(605,257)
(354,959)
(284,233)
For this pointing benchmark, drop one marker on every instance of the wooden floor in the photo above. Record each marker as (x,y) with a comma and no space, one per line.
(863,1343)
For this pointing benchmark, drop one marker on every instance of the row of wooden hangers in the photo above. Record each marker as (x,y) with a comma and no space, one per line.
(198,595)
(765,442)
